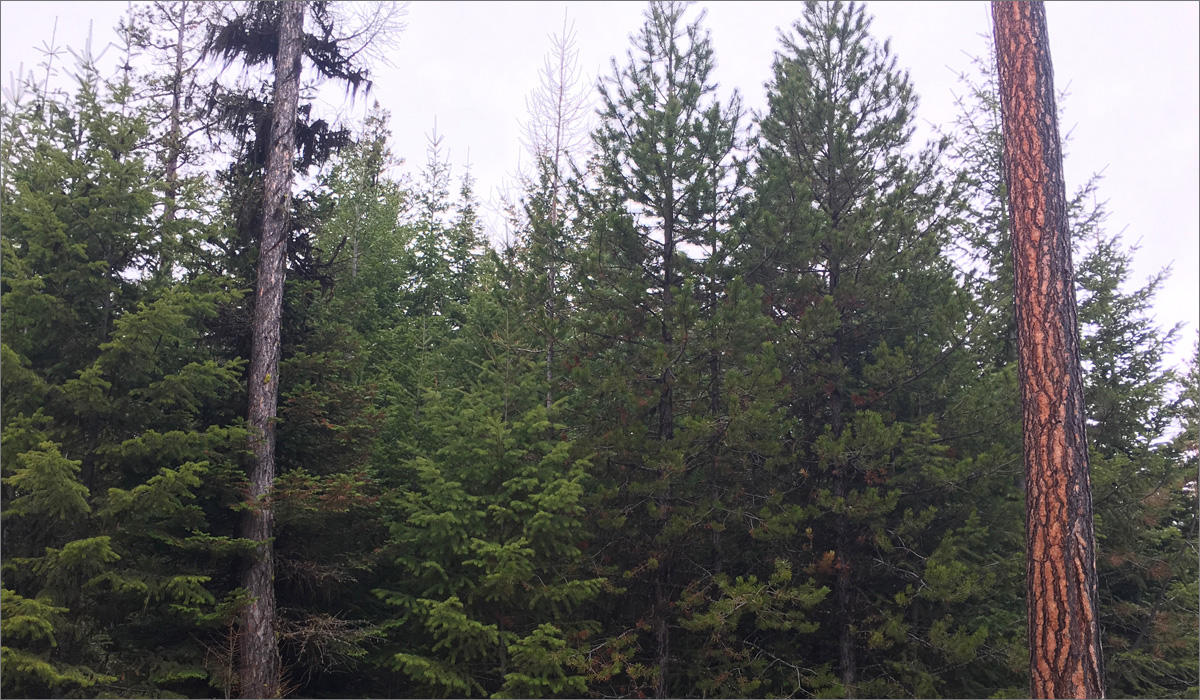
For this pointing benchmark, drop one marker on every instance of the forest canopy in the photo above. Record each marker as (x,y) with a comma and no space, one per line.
(733,412)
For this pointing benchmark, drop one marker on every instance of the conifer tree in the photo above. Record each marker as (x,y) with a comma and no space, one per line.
(847,238)
(1145,569)
(121,446)
(709,429)
(171,38)
(487,525)
(259,656)
(446,244)
(257,36)
(1127,404)
(1064,628)
(555,140)
(671,376)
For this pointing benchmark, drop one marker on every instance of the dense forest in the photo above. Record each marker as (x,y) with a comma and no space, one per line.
(734,413)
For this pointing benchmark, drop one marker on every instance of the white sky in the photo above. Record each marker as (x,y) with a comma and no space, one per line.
(1132,70)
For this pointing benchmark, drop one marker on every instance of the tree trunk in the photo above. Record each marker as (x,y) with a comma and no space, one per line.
(1064,632)
(175,129)
(662,631)
(842,557)
(259,651)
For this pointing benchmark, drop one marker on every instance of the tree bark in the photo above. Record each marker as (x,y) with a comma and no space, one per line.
(1064,632)
(259,665)
(175,130)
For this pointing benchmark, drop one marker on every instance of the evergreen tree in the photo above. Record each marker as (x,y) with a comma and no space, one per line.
(258,655)
(848,237)
(121,446)
(555,142)
(710,428)
(1147,574)
(171,37)
(446,244)
(275,32)
(1127,392)
(487,526)
(671,376)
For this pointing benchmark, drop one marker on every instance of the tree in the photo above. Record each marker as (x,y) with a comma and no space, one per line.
(487,524)
(1064,624)
(1146,568)
(259,655)
(274,145)
(171,37)
(554,138)
(121,446)
(847,233)
(1138,477)
(446,244)
(666,177)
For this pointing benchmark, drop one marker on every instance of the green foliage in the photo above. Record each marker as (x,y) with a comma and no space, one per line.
(737,415)
(121,451)
(487,532)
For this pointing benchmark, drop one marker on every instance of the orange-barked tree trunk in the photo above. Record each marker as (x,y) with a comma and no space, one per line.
(258,663)
(1064,631)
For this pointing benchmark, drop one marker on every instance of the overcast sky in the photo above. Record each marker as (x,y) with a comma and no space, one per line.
(1132,70)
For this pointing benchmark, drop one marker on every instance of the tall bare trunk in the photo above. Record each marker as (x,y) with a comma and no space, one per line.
(1064,632)
(175,128)
(259,666)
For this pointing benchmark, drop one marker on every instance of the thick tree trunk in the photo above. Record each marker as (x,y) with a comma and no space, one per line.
(259,668)
(1064,632)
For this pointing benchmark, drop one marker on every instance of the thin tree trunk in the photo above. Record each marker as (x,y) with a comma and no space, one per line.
(175,130)
(842,583)
(666,432)
(1064,632)
(662,631)
(259,666)
(174,144)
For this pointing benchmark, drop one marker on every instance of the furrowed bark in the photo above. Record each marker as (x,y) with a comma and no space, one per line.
(1064,631)
(259,666)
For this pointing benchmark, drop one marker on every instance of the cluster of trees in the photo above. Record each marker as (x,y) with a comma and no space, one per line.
(734,414)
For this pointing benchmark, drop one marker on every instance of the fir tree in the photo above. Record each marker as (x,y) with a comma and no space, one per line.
(121,448)
(487,528)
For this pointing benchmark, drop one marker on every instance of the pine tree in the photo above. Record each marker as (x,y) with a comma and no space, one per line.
(1126,390)
(1064,628)
(848,237)
(670,373)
